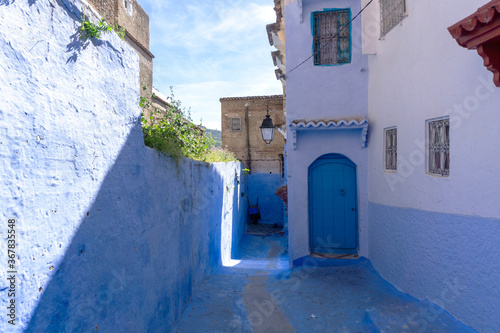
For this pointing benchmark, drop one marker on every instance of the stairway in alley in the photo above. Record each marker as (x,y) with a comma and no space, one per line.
(260,294)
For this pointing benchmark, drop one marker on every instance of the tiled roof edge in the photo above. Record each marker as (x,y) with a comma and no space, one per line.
(482,16)
(249,97)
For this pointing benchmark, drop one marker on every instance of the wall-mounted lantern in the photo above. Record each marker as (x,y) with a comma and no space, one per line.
(267,129)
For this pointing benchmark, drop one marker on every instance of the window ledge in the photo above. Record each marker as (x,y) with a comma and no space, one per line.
(481,31)
(437,175)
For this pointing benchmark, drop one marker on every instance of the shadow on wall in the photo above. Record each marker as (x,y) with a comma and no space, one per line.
(8,2)
(263,187)
(151,236)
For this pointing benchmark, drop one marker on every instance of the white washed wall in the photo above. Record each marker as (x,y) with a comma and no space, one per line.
(419,73)
(436,237)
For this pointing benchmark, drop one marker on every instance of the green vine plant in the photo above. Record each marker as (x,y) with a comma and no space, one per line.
(172,132)
(90,30)
(120,31)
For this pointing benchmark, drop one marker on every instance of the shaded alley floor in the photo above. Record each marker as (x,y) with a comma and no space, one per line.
(260,294)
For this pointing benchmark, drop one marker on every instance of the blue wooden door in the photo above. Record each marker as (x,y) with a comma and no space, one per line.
(332,205)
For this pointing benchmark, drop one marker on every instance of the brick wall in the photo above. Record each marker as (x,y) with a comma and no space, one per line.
(251,149)
(108,9)
(134,19)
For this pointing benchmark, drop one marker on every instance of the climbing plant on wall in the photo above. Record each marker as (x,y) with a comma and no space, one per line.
(92,30)
(172,132)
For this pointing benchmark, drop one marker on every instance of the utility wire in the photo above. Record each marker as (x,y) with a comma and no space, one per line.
(338,33)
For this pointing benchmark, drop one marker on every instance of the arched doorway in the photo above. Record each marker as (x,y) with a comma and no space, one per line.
(333,211)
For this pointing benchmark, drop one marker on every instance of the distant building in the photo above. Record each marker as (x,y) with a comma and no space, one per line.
(241,119)
(241,134)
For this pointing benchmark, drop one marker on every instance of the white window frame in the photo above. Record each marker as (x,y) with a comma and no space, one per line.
(386,169)
(394,21)
(442,147)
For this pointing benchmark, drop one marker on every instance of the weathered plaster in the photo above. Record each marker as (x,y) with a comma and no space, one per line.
(445,258)
(110,235)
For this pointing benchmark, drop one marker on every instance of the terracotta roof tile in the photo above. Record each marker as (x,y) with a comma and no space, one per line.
(249,97)
(483,16)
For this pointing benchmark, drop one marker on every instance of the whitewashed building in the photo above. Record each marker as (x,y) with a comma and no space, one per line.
(392,151)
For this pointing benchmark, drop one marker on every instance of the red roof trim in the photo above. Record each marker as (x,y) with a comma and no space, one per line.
(482,17)
(481,31)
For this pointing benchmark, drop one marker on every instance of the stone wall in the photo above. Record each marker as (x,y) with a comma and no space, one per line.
(132,17)
(249,146)
(110,236)
(128,14)
(108,9)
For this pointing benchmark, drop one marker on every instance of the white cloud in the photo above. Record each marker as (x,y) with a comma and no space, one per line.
(203,97)
(199,27)
(212,49)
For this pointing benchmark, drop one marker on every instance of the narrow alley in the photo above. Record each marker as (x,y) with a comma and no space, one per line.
(250,166)
(260,294)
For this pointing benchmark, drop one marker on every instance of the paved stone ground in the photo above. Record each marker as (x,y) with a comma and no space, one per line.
(260,294)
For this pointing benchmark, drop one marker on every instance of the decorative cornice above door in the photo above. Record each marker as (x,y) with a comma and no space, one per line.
(359,123)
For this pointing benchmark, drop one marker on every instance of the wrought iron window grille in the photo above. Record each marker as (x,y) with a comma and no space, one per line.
(391,13)
(332,37)
(439,146)
(391,149)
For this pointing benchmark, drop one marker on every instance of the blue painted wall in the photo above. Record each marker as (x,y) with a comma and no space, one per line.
(450,259)
(155,232)
(111,236)
(264,187)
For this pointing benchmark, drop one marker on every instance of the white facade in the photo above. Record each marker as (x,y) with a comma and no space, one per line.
(435,237)
(313,94)
(420,73)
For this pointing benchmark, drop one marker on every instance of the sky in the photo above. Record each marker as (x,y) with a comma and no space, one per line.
(211,49)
